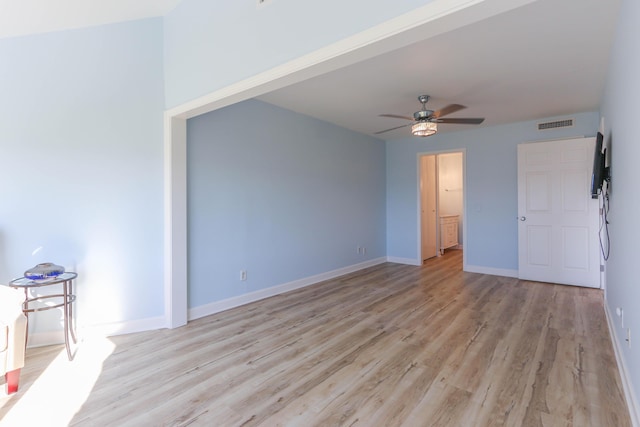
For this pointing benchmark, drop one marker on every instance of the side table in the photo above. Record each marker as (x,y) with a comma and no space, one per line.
(30,305)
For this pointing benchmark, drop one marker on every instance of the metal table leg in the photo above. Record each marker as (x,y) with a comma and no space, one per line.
(65,315)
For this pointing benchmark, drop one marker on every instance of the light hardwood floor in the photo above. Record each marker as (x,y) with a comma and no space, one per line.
(392,345)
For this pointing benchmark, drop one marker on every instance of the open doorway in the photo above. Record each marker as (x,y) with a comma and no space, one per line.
(441,202)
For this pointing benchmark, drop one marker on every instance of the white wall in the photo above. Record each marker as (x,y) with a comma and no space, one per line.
(212,44)
(620,110)
(81,166)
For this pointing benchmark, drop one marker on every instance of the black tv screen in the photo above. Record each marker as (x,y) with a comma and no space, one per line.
(598,174)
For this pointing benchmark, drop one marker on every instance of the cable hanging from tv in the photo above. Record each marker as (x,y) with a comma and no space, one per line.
(600,181)
(604,223)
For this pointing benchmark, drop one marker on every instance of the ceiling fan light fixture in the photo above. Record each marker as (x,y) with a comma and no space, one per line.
(424,128)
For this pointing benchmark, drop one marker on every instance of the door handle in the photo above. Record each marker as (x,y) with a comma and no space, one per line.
(523,218)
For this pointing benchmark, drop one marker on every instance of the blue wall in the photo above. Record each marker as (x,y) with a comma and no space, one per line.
(210,45)
(620,110)
(491,187)
(81,165)
(280,195)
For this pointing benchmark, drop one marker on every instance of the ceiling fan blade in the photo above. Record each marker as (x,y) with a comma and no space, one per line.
(397,127)
(396,116)
(452,108)
(466,121)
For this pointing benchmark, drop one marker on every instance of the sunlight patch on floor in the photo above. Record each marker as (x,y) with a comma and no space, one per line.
(59,392)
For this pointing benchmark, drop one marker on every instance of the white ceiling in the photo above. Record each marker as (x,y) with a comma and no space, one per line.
(548,58)
(23,17)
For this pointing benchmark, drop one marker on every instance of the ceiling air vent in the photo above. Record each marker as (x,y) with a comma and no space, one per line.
(566,123)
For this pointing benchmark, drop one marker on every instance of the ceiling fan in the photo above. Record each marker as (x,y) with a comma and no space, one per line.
(425,122)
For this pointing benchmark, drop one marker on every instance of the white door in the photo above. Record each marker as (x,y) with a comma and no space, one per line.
(428,203)
(557,219)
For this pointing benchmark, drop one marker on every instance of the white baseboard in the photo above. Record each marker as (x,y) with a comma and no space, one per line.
(407,261)
(629,394)
(492,271)
(226,304)
(40,339)
(128,327)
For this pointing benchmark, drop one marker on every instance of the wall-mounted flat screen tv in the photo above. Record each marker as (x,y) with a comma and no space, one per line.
(599,174)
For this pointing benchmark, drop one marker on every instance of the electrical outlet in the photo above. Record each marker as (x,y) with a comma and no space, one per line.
(620,314)
(629,337)
(243,275)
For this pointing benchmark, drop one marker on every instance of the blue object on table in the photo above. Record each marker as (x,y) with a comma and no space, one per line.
(44,271)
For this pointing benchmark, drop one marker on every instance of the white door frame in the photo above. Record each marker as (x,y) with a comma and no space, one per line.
(436,17)
(465,237)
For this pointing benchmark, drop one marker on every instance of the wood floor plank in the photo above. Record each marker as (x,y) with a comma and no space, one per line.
(391,345)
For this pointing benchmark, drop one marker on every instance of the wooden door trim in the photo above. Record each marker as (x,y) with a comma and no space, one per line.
(463,151)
